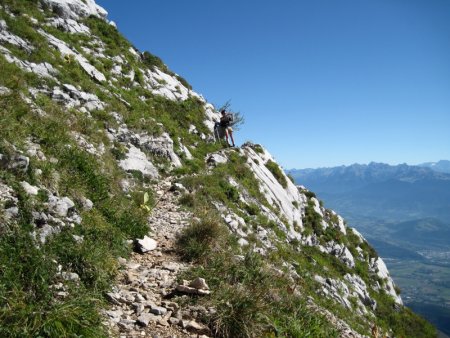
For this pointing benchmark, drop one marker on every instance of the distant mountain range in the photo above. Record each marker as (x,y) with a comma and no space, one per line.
(377,190)
(442,166)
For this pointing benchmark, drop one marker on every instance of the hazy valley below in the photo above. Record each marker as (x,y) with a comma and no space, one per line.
(403,211)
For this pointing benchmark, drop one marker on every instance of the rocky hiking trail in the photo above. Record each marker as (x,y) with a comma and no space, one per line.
(140,300)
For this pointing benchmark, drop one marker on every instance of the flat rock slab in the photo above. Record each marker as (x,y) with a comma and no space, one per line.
(146,244)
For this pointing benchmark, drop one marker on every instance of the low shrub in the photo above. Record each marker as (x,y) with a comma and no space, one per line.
(277,173)
(201,237)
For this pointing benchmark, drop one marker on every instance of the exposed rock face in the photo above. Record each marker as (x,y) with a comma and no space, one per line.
(7,37)
(160,146)
(69,25)
(137,160)
(379,267)
(272,189)
(41,69)
(68,52)
(75,9)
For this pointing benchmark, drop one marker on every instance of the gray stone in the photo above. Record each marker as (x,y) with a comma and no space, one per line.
(78,239)
(4,91)
(160,146)
(29,189)
(12,212)
(70,276)
(158,310)
(195,327)
(87,204)
(113,298)
(60,206)
(115,316)
(215,159)
(40,218)
(138,308)
(136,160)
(178,187)
(174,321)
(68,25)
(19,163)
(145,318)
(126,324)
(191,290)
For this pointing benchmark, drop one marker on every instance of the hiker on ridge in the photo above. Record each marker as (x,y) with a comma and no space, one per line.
(225,122)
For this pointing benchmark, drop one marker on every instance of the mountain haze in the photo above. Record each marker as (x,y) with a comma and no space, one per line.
(403,192)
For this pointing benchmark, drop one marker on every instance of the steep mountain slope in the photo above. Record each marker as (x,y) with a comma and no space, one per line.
(92,133)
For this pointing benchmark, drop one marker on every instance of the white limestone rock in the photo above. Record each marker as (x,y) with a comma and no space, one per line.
(160,83)
(34,150)
(4,91)
(216,158)
(69,25)
(7,37)
(137,160)
(199,283)
(60,206)
(272,189)
(379,267)
(41,69)
(160,146)
(89,147)
(183,148)
(341,252)
(29,189)
(317,207)
(146,244)
(64,49)
(75,9)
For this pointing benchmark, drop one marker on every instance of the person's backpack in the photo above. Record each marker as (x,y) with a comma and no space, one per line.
(231,118)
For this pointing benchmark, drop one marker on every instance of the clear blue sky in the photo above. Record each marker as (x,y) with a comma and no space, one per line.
(320,83)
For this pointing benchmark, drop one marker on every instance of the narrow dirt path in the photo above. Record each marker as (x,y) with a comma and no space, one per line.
(140,306)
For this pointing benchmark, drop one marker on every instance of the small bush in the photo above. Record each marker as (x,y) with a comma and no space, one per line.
(187,200)
(230,191)
(239,312)
(200,238)
(277,173)
(252,209)
(309,194)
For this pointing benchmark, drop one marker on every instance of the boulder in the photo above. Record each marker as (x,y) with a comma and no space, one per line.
(29,189)
(60,206)
(215,159)
(137,160)
(145,318)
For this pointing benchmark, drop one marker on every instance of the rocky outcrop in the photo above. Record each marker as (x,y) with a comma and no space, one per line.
(70,54)
(75,9)
(137,160)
